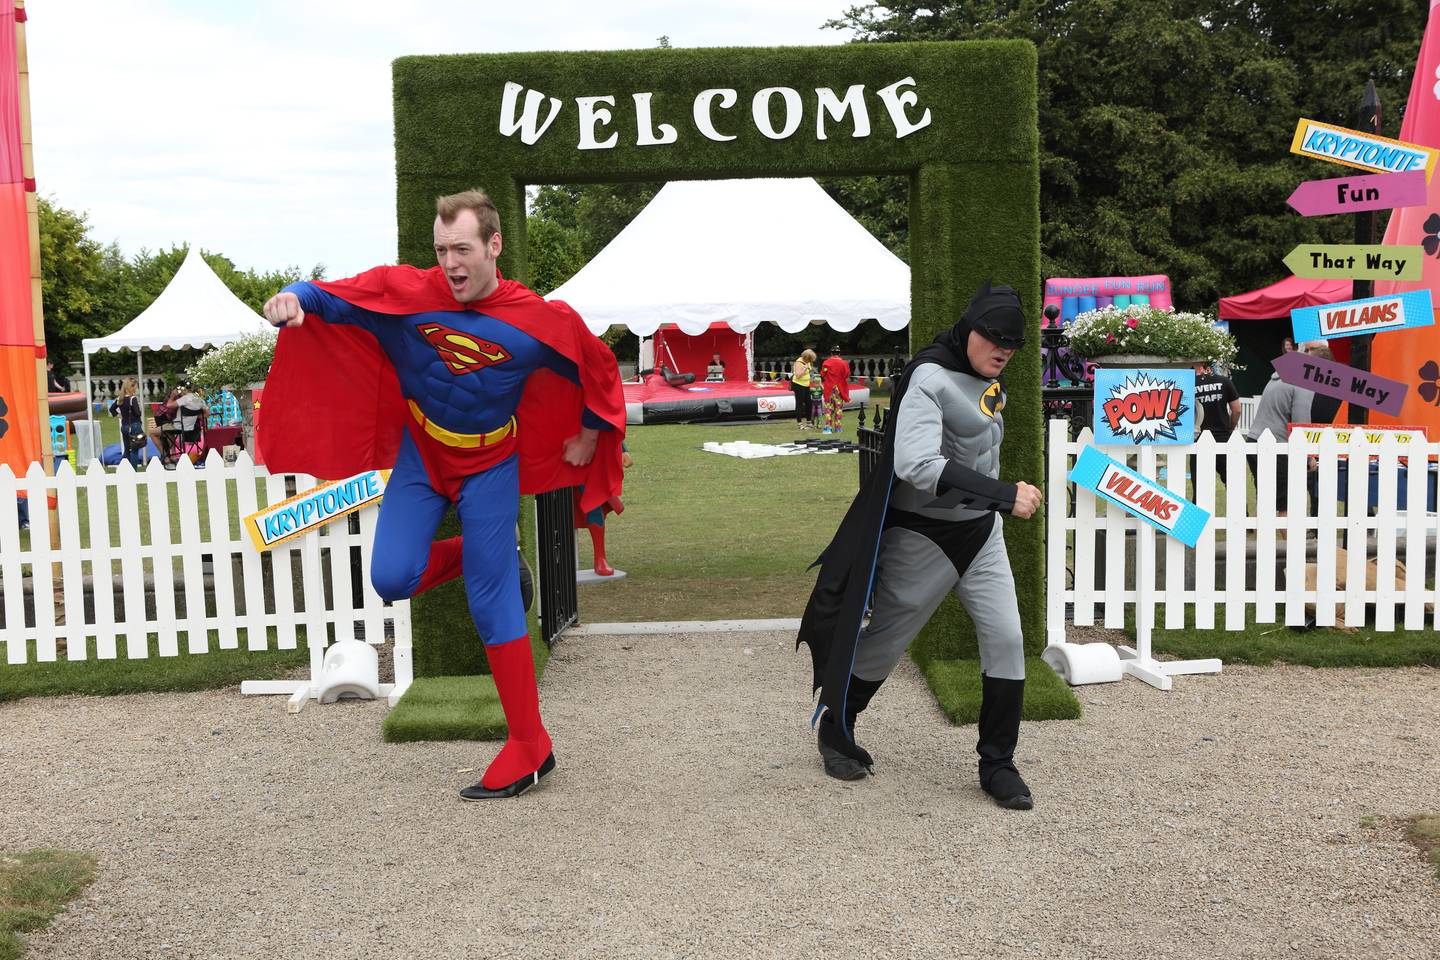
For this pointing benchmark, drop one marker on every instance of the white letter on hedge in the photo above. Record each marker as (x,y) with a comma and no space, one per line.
(896,103)
(647,136)
(760,110)
(703,122)
(591,117)
(837,107)
(526,124)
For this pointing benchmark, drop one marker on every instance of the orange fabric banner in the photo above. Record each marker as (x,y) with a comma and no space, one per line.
(22,437)
(1413,356)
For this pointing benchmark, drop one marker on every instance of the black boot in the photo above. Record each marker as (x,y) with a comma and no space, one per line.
(999,729)
(527,582)
(844,758)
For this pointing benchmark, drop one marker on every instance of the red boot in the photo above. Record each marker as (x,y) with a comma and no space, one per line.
(597,539)
(527,755)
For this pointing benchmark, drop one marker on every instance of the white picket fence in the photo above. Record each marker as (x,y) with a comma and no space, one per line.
(1387,563)
(307,584)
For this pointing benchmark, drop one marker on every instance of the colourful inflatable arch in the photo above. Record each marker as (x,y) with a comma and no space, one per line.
(1075,295)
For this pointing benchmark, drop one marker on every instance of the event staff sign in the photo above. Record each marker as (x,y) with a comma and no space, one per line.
(311,510)
(1351,384)
(1113,481)
(1364,150)
(1144,406)
(1350,318)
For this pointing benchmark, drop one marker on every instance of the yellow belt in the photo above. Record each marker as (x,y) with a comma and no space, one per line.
(466,441)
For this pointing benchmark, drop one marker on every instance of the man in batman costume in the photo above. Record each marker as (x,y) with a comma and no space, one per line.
(927,522)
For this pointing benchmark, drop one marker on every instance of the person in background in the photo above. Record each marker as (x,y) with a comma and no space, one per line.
(57,383)
(1217,404)
(715,372)
(1287,345)
(1283,404)
(835,375)
(132,422)
(800,385)
(817,398)
(187,410)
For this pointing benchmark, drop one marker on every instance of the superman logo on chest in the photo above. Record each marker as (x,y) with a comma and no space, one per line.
(462,352)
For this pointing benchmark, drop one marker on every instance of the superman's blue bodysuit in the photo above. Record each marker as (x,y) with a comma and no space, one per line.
(461,373)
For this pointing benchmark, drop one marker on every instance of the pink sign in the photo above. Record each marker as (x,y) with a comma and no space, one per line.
(1072,295)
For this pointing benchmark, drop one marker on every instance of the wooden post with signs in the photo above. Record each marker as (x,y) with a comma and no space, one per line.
(1364,234)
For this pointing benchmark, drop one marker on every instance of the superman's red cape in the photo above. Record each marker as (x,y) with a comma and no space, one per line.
(333,408)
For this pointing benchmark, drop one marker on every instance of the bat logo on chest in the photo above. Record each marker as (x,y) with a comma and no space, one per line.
(992,401)
(461,352)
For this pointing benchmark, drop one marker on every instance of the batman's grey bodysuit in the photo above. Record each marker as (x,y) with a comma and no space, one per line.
(943,531)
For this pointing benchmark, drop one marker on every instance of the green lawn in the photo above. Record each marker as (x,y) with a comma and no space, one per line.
(35,885)
(99,678)
(706,536)
(110,433)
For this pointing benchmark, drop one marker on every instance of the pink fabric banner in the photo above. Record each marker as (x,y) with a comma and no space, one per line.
(1413,356)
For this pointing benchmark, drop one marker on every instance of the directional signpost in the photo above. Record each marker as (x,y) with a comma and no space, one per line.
(1355,261)
(1331,379)
(1377,191)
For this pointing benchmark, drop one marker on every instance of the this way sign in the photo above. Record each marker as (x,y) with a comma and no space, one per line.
(1376,191)
(1331,379)
(1355,261)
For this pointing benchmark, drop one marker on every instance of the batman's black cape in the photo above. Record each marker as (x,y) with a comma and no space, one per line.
(831,624)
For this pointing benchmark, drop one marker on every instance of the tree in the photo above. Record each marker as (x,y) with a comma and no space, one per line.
(72,269)
(1165,124)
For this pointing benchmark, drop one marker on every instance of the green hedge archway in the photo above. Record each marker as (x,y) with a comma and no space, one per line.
(958,119)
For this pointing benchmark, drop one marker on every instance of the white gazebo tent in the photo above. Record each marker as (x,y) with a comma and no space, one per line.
(742,252)
(196,309)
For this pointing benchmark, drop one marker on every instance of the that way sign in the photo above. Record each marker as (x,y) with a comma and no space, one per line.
(1355,261)
(1350,318)
(1364,150)
(1376,191)
(1331,379)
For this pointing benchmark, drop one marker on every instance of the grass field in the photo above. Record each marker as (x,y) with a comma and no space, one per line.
(706,536)
(35,885)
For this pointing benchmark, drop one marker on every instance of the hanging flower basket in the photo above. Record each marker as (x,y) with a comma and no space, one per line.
(1143,336)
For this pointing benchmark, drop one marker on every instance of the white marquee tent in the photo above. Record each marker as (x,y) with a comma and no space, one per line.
(741,252)
(196,310)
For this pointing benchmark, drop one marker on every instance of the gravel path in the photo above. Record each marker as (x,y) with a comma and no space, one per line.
(689,817)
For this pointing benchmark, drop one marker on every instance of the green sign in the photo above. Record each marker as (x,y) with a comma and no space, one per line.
(1355,261)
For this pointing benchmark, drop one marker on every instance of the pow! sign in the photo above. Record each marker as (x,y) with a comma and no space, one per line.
(1144,406)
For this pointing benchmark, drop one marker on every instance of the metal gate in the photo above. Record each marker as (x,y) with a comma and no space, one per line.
(555,536)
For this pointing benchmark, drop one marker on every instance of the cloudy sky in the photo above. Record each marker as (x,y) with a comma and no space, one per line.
(261,129)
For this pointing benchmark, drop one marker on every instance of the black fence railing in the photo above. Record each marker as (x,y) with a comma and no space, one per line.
(869,439)
(555,524)
(870,366)
(1065,392)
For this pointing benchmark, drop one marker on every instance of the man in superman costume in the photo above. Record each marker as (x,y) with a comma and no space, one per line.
(474,390)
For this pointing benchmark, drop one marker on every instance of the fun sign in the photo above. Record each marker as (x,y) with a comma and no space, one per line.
(1118,484)
(1351,318)
(1144,406)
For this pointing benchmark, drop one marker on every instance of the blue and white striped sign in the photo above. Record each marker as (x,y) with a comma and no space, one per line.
(1118,484)
(1351,318)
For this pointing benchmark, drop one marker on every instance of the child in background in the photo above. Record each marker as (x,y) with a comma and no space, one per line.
(817,399)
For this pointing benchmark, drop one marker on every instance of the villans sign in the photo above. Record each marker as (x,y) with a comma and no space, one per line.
(1116,483)
(716,112)
(1351,318)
